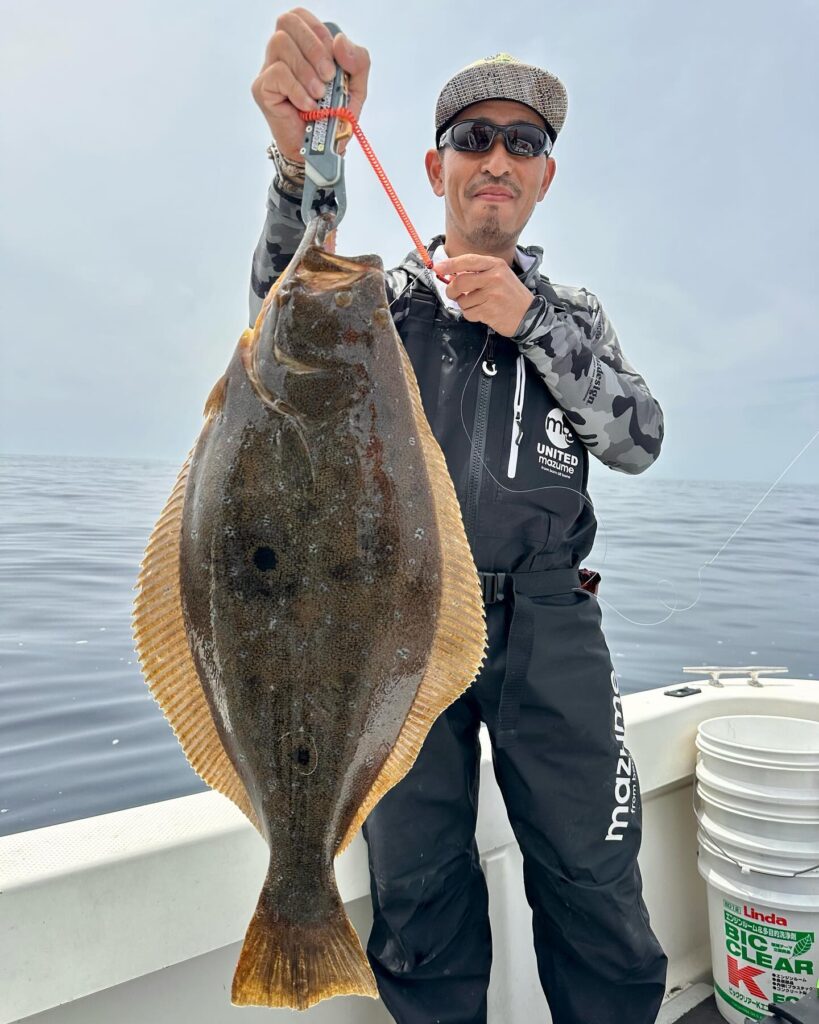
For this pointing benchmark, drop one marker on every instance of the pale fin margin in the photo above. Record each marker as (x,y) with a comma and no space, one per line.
(165,657)
(297,964)
(459,644)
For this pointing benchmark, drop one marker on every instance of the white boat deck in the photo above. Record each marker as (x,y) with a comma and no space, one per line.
(138,915)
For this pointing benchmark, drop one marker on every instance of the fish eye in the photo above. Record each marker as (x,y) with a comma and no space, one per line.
(264,559)
(302,755)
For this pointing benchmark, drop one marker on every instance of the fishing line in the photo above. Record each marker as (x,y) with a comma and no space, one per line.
(546,487)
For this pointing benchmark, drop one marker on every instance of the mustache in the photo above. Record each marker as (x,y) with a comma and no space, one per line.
(494,182)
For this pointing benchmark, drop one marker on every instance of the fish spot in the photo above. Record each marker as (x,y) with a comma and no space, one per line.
(381,316)
(344,299)
(264,559)
(301,751)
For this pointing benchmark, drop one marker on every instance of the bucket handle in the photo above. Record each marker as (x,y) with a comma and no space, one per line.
(746,869)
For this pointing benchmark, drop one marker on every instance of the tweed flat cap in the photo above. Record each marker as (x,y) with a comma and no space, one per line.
(503,77)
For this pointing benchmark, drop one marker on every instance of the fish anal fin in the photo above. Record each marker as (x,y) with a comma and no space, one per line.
(459,643)
(164,655)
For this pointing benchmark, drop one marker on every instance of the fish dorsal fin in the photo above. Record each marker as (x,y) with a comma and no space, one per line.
(165,658)
(459,643)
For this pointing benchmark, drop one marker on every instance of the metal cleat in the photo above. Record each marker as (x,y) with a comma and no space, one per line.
(752,671)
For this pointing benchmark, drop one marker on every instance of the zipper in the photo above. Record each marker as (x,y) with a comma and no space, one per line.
(476,453)
(517,417)
(488,366)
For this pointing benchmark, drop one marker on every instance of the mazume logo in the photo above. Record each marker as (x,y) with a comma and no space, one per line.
(625,794)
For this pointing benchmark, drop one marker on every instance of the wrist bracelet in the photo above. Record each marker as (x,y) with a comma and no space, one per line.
(290,172)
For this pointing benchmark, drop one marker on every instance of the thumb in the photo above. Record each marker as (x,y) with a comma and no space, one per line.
(355,60)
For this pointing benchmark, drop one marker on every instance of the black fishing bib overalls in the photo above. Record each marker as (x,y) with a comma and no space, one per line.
(547,693)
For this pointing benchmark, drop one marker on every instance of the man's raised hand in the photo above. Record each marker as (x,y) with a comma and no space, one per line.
(298,64)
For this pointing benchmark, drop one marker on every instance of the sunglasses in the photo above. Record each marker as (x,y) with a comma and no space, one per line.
(520,139)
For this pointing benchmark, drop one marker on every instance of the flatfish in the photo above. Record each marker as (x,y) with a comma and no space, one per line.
(308,603)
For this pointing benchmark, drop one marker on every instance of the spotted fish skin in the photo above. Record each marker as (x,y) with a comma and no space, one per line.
(310,564)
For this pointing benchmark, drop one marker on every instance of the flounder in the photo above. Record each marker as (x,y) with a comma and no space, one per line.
(308,603)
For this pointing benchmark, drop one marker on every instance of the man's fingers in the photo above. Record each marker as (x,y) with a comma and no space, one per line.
(302,69)
(466,281)
(300,60)
(472,301)
(276,85)
(355,60)
(312,40)
(467,262)
(318,27)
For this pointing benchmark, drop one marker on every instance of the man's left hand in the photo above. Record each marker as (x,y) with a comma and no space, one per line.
(487,290)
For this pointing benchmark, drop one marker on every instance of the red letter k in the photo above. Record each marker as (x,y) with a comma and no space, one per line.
(747,975)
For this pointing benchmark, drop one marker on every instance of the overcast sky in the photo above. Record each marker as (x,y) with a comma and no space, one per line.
(133,184)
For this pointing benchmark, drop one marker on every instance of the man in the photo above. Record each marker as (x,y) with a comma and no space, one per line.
(521,378)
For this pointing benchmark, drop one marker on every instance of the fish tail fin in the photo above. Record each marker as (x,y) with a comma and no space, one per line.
(297,963)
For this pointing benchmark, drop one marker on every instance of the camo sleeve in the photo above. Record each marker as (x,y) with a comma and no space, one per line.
(578,356)
(281,234)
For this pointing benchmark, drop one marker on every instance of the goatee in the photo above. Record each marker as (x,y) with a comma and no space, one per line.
(488,235)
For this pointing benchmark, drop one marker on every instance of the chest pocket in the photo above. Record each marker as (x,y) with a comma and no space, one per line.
(543,465)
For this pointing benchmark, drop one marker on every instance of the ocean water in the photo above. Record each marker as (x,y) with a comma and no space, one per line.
(81,735)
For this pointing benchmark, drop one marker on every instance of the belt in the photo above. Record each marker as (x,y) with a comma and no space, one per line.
(493,583)
(540,583)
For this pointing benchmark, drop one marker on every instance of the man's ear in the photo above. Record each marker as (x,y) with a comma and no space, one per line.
(548,176)
(435,171)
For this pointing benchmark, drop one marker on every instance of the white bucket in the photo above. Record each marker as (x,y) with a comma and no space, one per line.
(764,739)
(782,826)
(771,801)
(733,768)
(759,855)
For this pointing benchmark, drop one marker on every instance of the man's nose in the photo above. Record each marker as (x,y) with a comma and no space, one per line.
(497,160)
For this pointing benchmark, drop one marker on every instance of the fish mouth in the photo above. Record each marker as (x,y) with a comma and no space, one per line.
(321,271)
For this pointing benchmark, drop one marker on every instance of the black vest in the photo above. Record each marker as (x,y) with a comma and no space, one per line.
(539,517)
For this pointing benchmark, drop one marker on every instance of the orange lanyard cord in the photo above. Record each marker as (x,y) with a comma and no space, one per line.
(348,115)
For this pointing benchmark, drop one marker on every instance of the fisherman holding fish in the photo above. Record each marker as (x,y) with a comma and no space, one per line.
(521,380)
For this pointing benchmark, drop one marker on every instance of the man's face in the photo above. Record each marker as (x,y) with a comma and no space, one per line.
(490,196)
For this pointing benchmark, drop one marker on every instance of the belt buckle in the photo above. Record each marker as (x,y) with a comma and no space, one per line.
(492,584)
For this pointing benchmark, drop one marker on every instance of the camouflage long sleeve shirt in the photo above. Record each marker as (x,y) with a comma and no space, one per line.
(572,346)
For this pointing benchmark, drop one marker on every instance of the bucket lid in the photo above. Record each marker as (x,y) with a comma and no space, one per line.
(774,734)
(772,760)
(801,804)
